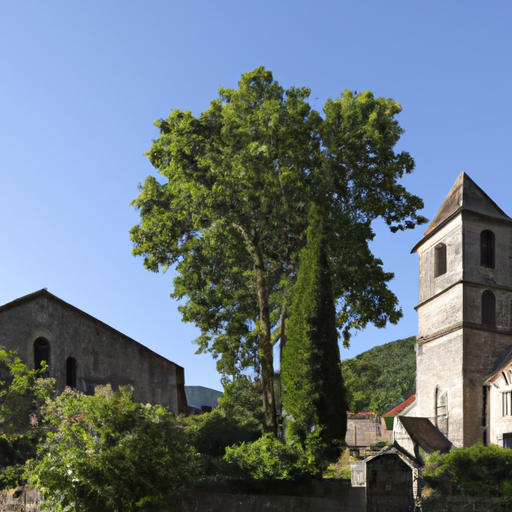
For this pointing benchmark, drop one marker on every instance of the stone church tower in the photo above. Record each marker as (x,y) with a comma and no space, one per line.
(464,312)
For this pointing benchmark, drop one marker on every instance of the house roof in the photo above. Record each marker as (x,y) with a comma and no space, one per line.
(401,406)
(464,195)
(500,366)
(425,434)
(362,414)
(46,294)
(396,449)
(199,396)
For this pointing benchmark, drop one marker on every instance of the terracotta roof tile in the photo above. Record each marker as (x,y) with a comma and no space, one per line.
(401,406)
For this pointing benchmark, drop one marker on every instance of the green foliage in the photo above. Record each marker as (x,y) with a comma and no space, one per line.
(269,459)
(313,391)
(475,471)
(341,468)
(242,400)
(266,458)
(22,393)
(231,212)
(237,419)
(105,452)
(381,376)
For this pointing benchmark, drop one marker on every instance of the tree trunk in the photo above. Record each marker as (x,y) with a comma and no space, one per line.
(265,350)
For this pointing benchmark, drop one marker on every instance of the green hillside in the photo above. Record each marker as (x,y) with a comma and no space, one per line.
(380,377)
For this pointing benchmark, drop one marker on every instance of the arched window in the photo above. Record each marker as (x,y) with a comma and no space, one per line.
(71,372)
(487,249)
(441,410)
(488,308)
(439,260)
(42,353)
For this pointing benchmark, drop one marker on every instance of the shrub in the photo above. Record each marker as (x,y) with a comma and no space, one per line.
(270,459)
(475,471)
(108,453)
(22,393)
(237,419)
(264,459)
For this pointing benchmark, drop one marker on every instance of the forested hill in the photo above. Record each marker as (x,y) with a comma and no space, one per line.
(380,377)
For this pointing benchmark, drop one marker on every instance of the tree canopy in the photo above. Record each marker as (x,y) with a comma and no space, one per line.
(231,213)
(381,377)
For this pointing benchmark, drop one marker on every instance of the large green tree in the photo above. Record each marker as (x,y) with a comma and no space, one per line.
(232,212)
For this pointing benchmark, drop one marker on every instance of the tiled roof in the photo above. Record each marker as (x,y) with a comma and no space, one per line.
(401,406)
(367,414)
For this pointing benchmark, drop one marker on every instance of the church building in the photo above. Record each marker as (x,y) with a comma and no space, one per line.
(464,343)
(82,352)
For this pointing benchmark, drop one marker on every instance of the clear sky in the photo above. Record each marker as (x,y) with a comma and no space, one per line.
(82,82)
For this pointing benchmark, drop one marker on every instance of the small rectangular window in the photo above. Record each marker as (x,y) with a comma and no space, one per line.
(506,403)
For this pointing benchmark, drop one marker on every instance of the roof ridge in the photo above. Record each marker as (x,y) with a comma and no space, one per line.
(466,195)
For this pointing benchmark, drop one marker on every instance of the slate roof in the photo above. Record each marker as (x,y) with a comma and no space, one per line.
(44,293)
(464,195)
(423,432)
(199,396)
(398,450)
(500,366)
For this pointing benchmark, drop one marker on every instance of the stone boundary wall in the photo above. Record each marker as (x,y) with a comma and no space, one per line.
(344,499)
(347,499)
(351,500)
(465,504)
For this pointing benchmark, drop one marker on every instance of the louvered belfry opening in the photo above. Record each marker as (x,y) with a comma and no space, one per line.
(487,249)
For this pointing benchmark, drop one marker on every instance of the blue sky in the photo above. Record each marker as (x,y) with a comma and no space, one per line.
(82,82)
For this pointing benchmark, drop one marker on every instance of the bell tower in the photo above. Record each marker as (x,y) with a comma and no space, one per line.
(464,310)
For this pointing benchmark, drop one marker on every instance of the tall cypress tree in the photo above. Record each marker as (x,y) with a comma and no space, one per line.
(313,390)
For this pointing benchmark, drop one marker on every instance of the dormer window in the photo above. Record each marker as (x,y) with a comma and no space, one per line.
(439,260)
(487,249)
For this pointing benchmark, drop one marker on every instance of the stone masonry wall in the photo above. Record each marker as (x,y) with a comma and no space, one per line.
(345,499)
(103,355)
(439,371)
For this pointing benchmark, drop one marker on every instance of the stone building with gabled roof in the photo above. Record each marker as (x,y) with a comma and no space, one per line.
(391,480)
(83,352)
(464,343)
